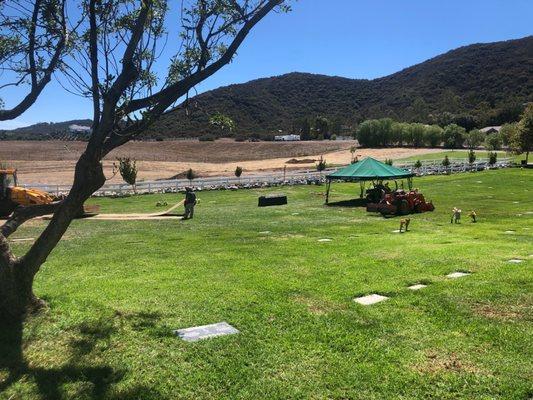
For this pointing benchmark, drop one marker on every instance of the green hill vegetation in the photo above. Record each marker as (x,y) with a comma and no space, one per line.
(473,86)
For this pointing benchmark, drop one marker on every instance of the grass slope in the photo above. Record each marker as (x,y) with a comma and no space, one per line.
(117,290)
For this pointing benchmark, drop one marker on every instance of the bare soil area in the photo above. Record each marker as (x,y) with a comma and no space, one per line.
(219,151)
(52,162)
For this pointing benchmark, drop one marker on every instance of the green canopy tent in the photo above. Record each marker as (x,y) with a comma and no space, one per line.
(369,169)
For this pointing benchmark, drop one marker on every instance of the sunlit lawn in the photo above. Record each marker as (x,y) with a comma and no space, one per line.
(117,290)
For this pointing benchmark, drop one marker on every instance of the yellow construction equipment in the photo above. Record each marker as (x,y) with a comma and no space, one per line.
(12,195)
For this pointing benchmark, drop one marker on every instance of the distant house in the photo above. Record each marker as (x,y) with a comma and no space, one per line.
(74,128)
(287,138)
(491,129)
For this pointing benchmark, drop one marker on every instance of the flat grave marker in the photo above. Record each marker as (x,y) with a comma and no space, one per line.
(370,299)
(196,333)
(509,232)
(417,286)
(515,261)
(265,233)
(455,275)
(324,240)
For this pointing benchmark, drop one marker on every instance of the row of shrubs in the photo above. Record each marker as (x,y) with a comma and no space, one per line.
(386,132)
(472,157)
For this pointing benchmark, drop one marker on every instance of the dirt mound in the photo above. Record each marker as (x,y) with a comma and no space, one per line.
(303,161)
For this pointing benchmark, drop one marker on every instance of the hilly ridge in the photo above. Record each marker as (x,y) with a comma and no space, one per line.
(473,86)
(486,83)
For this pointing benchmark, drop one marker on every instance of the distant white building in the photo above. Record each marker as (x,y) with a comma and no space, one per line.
(74,128)
(491,129)
(287,138)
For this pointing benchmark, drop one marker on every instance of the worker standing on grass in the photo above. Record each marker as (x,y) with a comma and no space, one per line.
(190,202)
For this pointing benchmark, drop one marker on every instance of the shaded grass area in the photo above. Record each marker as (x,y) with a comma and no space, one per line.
(117,290)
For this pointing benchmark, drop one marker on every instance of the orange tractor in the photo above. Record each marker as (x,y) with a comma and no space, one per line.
(400,202)
(12,196)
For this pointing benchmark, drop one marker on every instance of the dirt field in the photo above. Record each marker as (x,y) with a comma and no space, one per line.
(53,161)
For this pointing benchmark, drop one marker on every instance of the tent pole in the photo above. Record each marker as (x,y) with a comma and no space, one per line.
(327,191)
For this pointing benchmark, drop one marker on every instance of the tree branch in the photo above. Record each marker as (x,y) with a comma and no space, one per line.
(93,51)
(178,89)
(38,85)
(126,77)
(23,214)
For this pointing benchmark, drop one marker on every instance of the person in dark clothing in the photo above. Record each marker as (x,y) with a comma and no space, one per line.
(190,202)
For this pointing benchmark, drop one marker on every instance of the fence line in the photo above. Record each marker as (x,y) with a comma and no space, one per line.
(429,167)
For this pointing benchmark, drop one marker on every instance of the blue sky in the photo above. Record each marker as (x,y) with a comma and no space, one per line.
(350,38)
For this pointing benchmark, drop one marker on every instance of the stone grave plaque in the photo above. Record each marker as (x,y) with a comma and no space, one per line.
(205,331)
(370,299)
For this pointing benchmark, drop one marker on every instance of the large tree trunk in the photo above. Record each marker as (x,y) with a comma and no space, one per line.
(16,275)
(16,294)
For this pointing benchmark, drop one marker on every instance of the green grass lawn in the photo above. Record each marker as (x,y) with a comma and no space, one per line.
(481,154)
(116,291)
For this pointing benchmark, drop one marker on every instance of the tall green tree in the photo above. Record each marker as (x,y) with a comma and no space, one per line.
(397,133)
(322,127)
(305,129)
(384,131)
(367,133)
(128,170)
(433,135)
(474,138)
(508,131)
(493,141)
(453,136)
(416,133)
(115,62)
(522,140)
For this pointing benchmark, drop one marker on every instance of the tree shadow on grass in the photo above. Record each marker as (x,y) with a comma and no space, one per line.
(93,381)
(348,203)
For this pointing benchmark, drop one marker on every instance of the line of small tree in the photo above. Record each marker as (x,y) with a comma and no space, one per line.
(387,132)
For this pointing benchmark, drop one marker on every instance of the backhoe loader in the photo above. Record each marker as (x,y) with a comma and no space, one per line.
(12,196)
